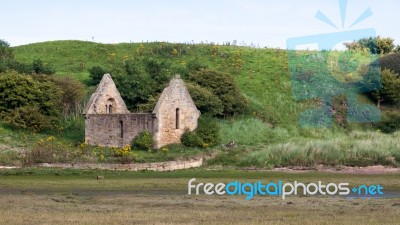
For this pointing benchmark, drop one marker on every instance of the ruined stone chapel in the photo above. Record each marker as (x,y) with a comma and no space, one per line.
(108,122)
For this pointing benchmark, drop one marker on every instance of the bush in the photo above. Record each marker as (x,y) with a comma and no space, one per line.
(205,100)
(143,141)
(125,155)
(49,150)
(39,68)
(191,139)
(208,131)
(390,91)
(205,135)
(73,92)
(28,118)
(95,74)
(390,123)
(224,87)
(391,62)
(28,102)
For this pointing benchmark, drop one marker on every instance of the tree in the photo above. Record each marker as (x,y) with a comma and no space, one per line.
(390,91)
(391,62)
(96,73)
(224,87)
(376,45)
(205,100)
(23,94)
(134,85)
(159,71)
(6,53)
(72,94)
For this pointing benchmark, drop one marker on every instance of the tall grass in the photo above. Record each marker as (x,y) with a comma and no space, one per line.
(244,131)
(355,149)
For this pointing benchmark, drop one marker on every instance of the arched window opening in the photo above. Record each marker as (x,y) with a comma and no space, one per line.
(110,106)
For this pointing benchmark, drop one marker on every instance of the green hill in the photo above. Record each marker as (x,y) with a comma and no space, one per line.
(261,74)
(268,133)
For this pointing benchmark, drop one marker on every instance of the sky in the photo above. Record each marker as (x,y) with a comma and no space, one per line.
(263,23)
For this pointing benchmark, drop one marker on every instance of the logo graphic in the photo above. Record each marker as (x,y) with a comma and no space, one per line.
(325,74)
(283,189)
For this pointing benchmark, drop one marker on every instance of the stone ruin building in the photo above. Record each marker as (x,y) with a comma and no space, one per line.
(108,122)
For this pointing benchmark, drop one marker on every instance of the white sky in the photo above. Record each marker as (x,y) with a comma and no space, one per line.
(262,22)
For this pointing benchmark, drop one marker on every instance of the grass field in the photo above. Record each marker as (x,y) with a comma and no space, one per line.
(50,196)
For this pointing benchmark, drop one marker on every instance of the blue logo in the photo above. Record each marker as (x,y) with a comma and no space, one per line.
(321,75)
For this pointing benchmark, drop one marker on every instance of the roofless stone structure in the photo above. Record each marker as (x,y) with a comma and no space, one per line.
(109,123)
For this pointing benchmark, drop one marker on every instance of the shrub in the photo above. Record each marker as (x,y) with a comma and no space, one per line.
(39,68)
(391,62)
(205,100)
(208,131)
(191,139)
(125,155)
(390,91)
(72,95)
(205,135)
(195,65)
(50,150)
(224,87)
(28,118)
(389,123)
(95,74)
(143,141)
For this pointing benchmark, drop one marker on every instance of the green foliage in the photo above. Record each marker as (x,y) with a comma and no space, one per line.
(205,135)
(19,67)
(39,68)
(95,74)
(72,94)
(208,131)
(6,52)
(135,89)
(224,87)
(158,71)
(27,102)
(143,141)
(376,45)
(391,62)
(134,85)
(195,65)
(390,123)
(10,158)
(191,139)
(390,91)
(205,100)
(264,79)
(353,149)
(246,131)
(28,117)
(51,150)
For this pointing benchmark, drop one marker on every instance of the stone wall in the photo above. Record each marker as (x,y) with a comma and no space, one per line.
(116,129)
(109,123)
(159,166)
(175,112)
(106,96)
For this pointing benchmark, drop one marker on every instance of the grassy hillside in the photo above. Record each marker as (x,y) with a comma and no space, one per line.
(263,78)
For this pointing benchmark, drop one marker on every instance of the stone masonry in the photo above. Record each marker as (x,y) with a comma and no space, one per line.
(109,123)
(175,112)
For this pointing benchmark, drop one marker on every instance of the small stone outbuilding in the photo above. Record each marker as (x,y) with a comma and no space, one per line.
(108,122)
